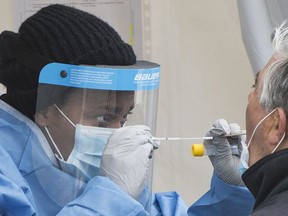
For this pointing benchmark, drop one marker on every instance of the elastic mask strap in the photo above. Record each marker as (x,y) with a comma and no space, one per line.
(64,115)
(54,144)
(279,143)
(254,131)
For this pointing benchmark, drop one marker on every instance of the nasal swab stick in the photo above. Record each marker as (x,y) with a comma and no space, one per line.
(181,138)
(193,138)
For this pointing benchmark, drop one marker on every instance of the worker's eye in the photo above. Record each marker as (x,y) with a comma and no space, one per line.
(109,119)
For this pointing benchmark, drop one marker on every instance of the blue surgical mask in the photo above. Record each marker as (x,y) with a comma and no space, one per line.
(85,157)
(244,159)
(243,166)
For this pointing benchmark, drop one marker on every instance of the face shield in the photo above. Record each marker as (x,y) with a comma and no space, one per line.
(78,107)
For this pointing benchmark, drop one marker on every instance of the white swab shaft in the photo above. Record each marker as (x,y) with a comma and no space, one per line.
(193,138)
(181,138)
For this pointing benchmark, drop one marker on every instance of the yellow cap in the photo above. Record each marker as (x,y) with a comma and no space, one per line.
(198,150)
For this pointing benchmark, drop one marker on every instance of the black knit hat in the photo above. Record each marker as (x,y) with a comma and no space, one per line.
(60,34)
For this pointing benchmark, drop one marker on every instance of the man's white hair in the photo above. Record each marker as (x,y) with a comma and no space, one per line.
(275,81)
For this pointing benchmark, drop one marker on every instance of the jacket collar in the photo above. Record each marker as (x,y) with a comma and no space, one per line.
(268,176)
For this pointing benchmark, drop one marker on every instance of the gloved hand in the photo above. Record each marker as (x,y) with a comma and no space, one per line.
(226,164)
(126,158)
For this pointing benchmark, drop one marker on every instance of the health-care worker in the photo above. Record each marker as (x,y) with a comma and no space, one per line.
(55,132)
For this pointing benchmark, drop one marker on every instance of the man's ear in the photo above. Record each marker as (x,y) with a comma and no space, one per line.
(282,121)
(279,126)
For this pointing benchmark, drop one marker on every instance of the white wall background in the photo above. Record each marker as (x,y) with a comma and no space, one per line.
(205,75)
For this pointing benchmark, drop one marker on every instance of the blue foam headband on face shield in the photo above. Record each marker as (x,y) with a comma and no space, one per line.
(143,75)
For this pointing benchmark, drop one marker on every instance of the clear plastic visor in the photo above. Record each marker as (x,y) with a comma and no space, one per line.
(103,97)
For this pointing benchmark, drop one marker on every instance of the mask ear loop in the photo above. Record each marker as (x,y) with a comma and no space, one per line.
(64,115)
(54,144)
(52,140)
(254,131)
(279,143)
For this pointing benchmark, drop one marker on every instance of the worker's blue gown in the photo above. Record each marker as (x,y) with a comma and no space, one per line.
(31,183)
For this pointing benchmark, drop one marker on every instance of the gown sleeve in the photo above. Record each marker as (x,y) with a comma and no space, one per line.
(102,197)
(168,204)
(15,195)
(223,200)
